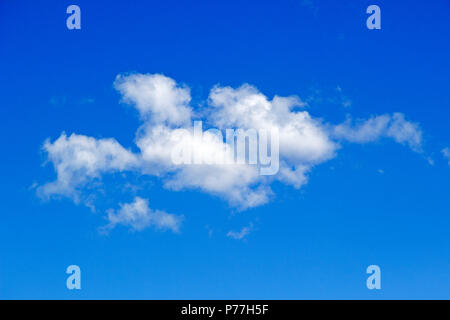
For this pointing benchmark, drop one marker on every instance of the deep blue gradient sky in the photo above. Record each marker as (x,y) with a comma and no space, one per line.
(315,242)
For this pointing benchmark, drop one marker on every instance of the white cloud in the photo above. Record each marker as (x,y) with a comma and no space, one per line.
(446,154)
(164,106)
(231,182)
(302,138)
(405,132)
(234,183)
(157,97)
(78,159)
(239,235)
(304,141)
(384,126)
(139,216)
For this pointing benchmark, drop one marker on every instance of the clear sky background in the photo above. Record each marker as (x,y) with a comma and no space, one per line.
(374,203)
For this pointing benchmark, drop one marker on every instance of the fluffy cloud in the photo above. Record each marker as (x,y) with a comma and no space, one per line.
(165,110)
(304,141)
(302,138)
(138,216)
(239,235)
(79,159)
(384,126)
(156,97)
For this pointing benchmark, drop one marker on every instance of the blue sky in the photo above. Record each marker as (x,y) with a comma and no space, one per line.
(383,200)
